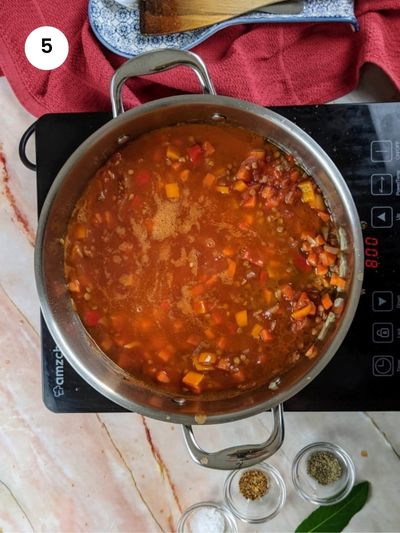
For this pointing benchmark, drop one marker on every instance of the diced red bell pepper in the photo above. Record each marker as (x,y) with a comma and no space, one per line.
(301,264)
(195,153)
(91,317)
(142,177)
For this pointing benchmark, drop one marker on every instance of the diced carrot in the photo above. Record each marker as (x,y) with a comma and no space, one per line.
(222,343)
(74,286)
(80,231)
(217,317)
(198,290)
(208,148)
(208,180)
(163,377)
(257,329)
(222,189)
(265,335)
(212,280)
(91,317)
(165,354)
(199,307)
(269,297)
(294,175)
(303,312)
(241,318)
(307,190)
(194,340)
(320,241)
(337,281)
(239,376)
(311,352)
(248,219)
(208,332)
(323,215)
(228,251)
(327,259)
(230,271)
(109,218)
(288,292)
(177,326)
(173,152)
(172,190)
(184,174)
(312,259)
(250,202)
(321,269)
(243,174)
(258,153)
(326,301)
(193,380)
(176,165)
(239,185)
(224,363)
(207,358)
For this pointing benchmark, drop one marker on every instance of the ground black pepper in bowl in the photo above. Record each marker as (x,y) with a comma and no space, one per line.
(253,484)
(324,467)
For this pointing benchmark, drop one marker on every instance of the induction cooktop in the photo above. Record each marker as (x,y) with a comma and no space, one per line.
(364,142)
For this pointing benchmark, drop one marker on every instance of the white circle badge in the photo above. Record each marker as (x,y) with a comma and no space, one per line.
(46,48)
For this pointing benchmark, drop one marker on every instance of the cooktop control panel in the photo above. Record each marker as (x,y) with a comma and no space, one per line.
(364,142)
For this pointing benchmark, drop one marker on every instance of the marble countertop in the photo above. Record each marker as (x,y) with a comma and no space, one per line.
(123,472)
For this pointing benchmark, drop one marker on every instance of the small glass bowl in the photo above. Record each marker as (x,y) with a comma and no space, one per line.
(185,524)
(262,509)
(309,488)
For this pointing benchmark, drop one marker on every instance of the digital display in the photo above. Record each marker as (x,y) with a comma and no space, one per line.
(371,252)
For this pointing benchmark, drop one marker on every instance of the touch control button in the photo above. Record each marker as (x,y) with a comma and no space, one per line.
(382,301)
(382,217)
(382,332)
(381,151)
(381,184)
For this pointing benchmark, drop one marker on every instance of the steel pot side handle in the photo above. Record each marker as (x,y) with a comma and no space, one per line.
(153,62)
(242,456)
(22,147)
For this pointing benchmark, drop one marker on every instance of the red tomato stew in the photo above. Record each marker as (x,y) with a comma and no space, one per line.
(202,258)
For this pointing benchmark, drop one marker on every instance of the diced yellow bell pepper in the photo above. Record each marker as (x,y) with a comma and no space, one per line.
(223,189)
(172,190)
(307,189)
(173,153)
(240,186)
(192,380)
(241,318)
(255,332)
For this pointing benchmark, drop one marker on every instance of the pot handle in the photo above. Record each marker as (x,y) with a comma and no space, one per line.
(153,62)
(238,456)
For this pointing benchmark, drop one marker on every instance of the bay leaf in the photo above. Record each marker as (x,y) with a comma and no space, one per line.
(334,518)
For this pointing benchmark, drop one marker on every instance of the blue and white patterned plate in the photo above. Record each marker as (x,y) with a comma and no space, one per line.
(117,27)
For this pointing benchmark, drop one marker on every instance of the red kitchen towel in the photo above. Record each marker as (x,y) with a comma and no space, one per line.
(269,64)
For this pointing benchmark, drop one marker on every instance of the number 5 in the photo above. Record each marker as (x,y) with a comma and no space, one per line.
(46,46)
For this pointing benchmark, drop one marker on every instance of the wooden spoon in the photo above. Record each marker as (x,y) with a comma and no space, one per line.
(158,17)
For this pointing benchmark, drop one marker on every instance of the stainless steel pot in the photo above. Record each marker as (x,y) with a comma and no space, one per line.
(64,324)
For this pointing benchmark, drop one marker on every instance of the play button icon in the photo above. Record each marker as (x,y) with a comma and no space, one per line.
(382,301)
(382,217)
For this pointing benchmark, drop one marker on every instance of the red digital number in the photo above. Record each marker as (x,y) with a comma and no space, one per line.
(371,252)
(371,263)
(371,241)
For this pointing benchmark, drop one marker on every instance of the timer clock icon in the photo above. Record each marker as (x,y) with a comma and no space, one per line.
(383,365)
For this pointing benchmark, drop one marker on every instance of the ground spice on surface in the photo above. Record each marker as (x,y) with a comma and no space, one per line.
(253,484)
(324,467)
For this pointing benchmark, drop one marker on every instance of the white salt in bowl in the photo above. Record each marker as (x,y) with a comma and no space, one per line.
(207,517)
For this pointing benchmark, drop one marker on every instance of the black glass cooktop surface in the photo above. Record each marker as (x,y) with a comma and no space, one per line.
(364,142)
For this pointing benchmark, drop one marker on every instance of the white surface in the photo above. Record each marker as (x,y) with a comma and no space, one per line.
(121,472)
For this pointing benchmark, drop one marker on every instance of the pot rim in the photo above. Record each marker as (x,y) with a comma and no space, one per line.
(352,297)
